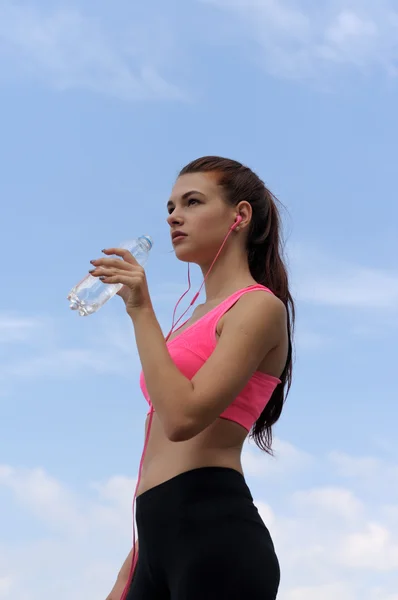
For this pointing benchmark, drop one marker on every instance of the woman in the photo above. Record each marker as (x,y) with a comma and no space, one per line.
(222,376)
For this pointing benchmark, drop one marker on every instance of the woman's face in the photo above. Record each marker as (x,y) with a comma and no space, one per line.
(196,208)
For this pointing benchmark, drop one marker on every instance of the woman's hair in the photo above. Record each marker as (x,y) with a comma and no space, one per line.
(265,257)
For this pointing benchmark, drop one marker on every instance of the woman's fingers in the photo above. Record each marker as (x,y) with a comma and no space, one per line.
(129,278)
(117,278)
(115,263)
(124,254)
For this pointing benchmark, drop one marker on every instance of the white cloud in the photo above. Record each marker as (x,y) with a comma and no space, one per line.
(60,363)
(68,50)
(43,495)
(55,504)
(5,586)
(15,328)
(300,39)
(338,502)
(308,340)
(367,467)
(266,513)
(287,459)
(86,534)
(348,25)
(320,279)
(333,541)
(372,548)
(355,287)
(371,474)
(328,591)
(42,350)
(115,496)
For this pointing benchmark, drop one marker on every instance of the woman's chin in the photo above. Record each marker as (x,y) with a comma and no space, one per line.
(185,254)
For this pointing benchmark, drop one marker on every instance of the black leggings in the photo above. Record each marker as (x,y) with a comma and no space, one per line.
(201,538)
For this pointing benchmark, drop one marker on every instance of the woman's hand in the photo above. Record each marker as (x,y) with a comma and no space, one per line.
(127,271)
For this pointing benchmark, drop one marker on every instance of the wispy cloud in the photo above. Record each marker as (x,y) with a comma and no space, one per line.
(89,532)
(355,287)
(372,548)
(370,474)
(339,502)
(321,279)
(55,505)
(311,341)
(16,328)
(286,461)
(46,497)
(328,591)
(68,50)
(41,349)
(300,39)
(5,586)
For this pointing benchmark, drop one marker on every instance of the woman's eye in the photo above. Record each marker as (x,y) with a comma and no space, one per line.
(170,210)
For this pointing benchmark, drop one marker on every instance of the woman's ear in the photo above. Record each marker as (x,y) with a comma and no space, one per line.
(244,215)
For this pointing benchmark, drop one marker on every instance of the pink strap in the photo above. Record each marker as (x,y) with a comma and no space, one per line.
(231,300)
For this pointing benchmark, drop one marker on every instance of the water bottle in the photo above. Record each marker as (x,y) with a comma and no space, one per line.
(91,293)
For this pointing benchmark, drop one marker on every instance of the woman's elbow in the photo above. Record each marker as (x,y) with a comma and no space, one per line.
(182,432)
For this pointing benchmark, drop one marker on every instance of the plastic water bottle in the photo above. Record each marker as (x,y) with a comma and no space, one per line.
(91,293)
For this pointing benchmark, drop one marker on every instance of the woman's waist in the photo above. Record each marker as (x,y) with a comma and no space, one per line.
(210,491)
(161,466)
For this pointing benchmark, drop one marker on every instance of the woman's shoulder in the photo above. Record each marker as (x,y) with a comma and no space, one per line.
(261,301)
(256,308)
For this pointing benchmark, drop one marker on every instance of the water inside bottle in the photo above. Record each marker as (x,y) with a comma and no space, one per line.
(93,293)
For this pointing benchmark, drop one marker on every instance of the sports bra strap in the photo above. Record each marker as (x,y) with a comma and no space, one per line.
(224,306)
(231,300)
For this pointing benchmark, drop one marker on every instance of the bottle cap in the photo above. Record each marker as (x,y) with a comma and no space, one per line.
(148,239)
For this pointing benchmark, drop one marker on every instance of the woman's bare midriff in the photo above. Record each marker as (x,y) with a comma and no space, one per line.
(218,445)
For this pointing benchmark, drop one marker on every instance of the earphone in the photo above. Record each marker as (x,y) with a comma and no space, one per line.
(238,220)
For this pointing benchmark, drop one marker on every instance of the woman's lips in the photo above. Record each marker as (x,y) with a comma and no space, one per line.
(179,238)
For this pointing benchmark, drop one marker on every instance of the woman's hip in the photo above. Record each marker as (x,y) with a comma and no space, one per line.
(201,536)
(197,504)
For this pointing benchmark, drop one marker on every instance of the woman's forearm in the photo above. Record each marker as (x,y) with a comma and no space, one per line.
(123,576)
(124,572)
(170,391)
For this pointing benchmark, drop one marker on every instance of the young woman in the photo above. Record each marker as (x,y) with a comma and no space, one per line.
(223,375)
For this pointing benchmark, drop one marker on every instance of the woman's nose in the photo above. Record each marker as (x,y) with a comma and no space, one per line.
(174,219)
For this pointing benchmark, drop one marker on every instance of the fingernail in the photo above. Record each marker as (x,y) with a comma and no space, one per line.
(92,271)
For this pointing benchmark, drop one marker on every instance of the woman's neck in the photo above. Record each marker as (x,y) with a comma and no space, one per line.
(229,273)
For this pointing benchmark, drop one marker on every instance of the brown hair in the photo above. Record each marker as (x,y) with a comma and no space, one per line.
(265,257)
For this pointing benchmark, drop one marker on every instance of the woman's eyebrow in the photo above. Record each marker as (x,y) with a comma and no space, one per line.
(185,196)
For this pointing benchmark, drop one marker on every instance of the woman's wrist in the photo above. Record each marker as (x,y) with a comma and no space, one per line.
(140,312)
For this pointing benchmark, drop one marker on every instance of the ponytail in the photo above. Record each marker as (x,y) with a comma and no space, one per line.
(267,266)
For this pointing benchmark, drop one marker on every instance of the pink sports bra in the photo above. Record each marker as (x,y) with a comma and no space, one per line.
(191,348)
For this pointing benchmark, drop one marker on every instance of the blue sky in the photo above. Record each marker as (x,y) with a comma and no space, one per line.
(101,107)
